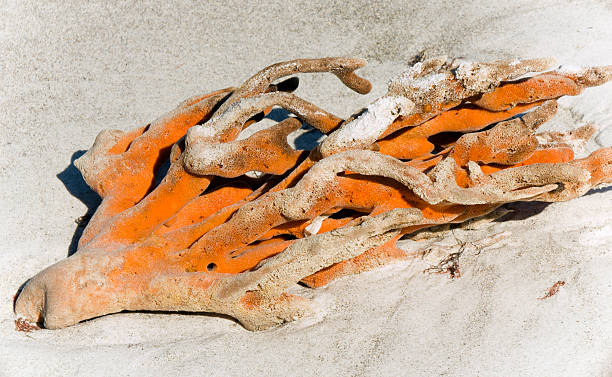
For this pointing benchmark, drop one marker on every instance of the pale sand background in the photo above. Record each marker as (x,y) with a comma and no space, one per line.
(69,70)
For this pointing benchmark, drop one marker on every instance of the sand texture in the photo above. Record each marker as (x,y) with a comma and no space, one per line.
(71,69)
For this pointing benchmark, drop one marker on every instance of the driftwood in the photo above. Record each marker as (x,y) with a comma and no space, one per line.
(450,141)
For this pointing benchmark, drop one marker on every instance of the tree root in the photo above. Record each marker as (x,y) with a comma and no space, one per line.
(450,141)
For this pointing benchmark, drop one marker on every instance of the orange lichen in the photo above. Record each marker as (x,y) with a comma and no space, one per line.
(238,218)
(24,325)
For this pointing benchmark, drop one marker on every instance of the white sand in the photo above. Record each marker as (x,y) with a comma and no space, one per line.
(68,71)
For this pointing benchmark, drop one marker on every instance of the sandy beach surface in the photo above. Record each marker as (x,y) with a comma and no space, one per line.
(70,69)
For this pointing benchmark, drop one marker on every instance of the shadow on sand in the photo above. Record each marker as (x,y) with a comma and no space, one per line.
(76,186)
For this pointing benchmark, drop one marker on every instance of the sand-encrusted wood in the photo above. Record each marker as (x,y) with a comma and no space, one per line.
(451,140)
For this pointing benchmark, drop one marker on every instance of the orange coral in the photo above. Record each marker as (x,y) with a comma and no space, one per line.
(450,141)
